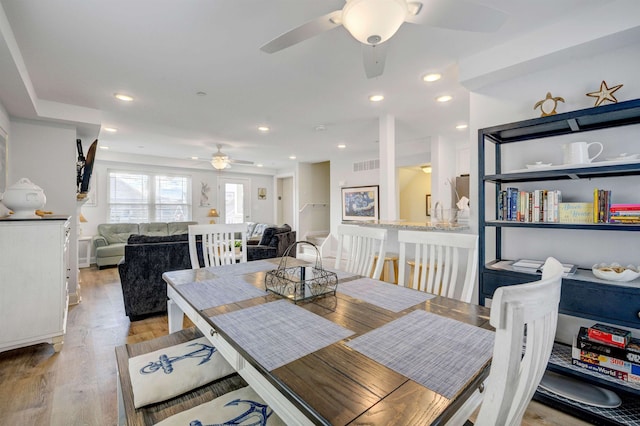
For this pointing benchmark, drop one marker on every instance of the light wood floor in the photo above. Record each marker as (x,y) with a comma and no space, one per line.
(77,386)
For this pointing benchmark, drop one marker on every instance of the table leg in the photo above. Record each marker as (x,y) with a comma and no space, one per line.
(175,316)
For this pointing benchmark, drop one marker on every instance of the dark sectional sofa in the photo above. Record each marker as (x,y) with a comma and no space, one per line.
(147,257)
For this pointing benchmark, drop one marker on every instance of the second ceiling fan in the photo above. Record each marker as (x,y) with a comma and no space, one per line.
(221,161)
(372,22)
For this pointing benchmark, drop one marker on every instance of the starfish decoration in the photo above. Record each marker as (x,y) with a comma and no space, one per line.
(605,93)
(542,103)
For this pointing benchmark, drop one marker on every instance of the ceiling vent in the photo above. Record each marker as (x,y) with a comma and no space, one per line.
(362,166)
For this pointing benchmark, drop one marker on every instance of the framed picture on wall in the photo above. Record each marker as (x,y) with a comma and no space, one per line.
(360,203)
(428,204)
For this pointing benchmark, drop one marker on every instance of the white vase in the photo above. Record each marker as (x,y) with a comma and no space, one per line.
(24,198)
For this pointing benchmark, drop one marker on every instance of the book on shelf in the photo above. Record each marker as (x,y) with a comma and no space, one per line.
(609,335)
(624,207)
(535,267)
(601,369)
(601,205)
(535,206)
(630,353)
(606,361)
(575,212)
(588,362)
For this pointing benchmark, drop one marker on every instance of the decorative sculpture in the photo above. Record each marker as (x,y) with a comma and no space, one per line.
(605,93)
(546,102)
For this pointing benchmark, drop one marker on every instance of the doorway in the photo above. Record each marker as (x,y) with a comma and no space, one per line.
(285,201)
(237,200)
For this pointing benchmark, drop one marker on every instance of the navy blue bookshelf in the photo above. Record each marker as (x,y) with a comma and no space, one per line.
(581,297)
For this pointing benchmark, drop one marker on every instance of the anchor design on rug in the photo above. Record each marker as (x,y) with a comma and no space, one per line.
(165,363)
(257,414)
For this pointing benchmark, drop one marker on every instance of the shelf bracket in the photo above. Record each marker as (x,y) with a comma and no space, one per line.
(573,124)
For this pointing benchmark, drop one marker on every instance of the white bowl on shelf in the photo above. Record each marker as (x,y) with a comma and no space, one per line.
(615,272)
(538,165)
(624,157)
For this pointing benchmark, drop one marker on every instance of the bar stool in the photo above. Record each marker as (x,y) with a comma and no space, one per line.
(412,265)
(389,261)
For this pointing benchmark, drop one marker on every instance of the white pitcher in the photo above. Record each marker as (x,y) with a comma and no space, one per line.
(578,152)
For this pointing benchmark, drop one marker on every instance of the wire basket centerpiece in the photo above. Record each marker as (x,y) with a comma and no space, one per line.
(301,282)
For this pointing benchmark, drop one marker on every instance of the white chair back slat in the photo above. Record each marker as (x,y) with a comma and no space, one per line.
(218,244)
(438,264)
(357,247)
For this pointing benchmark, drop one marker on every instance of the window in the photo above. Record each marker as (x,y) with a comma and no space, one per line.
(148,197)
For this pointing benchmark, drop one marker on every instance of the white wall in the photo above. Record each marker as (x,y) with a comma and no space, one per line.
(45,153)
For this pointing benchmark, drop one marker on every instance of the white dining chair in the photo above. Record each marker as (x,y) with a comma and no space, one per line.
(218,242)
(522,315)
(357,247)
(440,257)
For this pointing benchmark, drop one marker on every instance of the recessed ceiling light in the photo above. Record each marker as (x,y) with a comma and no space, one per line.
(263,128)
(320,128)
(110,129)
(292,157)
(342,146)
(376,98)
(258,165)
(123,97)
(201,93)
(194,158)
(462,126)
(432,77)
(103,147)
(444,98)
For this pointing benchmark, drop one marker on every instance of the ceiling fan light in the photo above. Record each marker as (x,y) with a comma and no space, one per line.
(374,21)
(220,162)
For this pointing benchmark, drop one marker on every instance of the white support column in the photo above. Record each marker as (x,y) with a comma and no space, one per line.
(443,160)
(389,206)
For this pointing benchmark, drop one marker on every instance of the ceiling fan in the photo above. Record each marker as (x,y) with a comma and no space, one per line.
(372,22)
(221,161)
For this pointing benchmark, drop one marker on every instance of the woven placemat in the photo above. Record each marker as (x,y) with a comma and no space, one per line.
(340,273)
(384,295)
(279,332)
(242,268)
(439,353)
(218,292)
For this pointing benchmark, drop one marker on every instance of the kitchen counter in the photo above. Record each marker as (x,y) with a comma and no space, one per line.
(412,226)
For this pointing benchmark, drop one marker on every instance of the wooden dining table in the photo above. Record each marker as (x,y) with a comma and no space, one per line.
(372,353)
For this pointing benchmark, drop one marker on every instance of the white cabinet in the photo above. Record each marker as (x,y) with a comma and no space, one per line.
(34,260)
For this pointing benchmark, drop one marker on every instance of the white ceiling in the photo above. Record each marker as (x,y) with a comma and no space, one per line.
(162,52)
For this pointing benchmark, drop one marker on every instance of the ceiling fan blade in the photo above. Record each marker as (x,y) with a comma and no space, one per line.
(240,161)
(374,57)
(456,15)
(304,32)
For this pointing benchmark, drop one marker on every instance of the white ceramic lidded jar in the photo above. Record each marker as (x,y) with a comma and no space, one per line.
(24,198)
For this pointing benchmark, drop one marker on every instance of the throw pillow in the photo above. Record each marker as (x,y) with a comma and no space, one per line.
(169,372)
(239,407)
